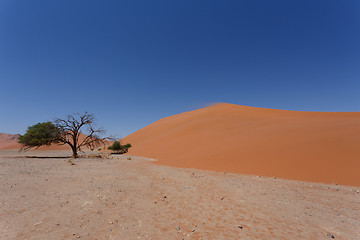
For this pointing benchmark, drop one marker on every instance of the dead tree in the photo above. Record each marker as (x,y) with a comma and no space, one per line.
(70,132)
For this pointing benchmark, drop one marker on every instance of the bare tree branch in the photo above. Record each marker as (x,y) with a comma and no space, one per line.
(71,134)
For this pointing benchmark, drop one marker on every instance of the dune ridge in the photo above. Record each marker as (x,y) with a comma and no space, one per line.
(307,146)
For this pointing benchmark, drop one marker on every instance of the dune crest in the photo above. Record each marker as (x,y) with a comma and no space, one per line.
(307,146)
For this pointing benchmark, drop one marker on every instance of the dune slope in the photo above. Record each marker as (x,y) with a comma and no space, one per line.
(9,141)
(308,146)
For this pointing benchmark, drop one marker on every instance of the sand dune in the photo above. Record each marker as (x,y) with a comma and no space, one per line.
(9,141)
(308,146)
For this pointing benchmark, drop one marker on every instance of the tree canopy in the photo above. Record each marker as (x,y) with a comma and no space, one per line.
(40,134)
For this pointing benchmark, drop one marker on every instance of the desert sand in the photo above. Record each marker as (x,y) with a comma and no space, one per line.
(116,198)
(308,146)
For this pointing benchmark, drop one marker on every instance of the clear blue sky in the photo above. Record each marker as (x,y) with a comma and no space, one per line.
(134,62)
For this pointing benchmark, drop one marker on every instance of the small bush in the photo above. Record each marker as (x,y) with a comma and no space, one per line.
(128,145)
(118,148)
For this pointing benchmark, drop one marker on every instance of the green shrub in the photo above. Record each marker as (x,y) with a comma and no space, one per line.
(128,145)
(116,146)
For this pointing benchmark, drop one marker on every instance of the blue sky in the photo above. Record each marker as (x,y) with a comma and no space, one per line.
(134,62)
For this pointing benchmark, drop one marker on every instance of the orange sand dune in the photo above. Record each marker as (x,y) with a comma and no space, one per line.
(308,146)
(9,141)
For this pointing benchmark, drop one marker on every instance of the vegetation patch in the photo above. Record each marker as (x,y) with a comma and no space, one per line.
(117,148)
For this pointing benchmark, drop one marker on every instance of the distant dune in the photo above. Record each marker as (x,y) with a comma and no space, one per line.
(9,141)
(308,146)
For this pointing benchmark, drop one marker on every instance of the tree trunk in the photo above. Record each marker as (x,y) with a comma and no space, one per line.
(74,148)
(74,155)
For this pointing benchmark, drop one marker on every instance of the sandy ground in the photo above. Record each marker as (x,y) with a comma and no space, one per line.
(116,198)
(305,146)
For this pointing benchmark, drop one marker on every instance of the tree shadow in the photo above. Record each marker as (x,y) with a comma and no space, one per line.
(44,157)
